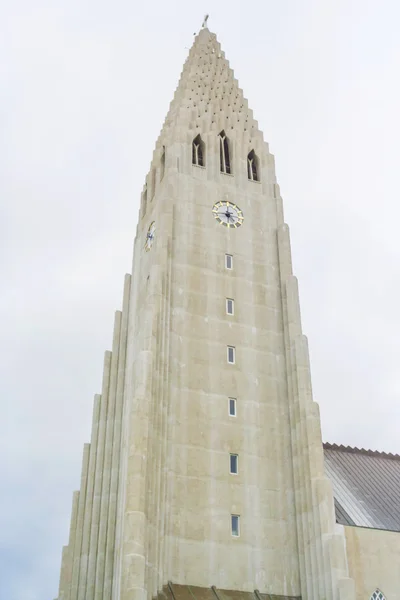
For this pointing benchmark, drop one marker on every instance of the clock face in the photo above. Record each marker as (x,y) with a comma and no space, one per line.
(150,236)
(228,214)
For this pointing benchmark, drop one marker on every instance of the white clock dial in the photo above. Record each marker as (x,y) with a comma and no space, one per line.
(228,214)
(150,236)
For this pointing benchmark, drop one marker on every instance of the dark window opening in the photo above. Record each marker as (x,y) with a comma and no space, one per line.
(235,530)
(231,355)
(232,407)
(253,166)
(224,158)
(233,464)
(198,152)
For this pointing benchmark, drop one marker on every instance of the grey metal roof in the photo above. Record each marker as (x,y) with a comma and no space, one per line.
(366,486)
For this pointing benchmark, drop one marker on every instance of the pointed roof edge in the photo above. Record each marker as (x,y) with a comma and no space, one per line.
(355,450)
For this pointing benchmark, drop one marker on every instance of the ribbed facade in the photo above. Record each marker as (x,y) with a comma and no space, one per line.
(157,497)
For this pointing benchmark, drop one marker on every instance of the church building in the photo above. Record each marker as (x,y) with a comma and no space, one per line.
(206,477)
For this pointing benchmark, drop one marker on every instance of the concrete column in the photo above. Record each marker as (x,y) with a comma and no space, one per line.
(79,524)
(62,591)
(135,525)
(303,410)
(116,448)
(127,399)
(162,500)
(87,520)
(322,554)
(162,416)
(134,538)
(98,478)
(155,507)
(105,490)
(67,556)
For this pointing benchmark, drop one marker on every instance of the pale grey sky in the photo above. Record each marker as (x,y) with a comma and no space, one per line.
(85,86)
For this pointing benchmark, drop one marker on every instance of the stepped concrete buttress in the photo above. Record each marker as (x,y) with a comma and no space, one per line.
(157,494)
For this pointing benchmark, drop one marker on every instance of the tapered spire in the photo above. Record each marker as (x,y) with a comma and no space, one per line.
(208,96)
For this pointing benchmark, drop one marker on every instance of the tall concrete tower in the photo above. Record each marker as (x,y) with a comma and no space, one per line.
(204,475)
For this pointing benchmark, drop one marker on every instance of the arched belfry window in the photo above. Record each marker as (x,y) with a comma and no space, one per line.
(377,595)
(253,166)
(198,151)
(224,158)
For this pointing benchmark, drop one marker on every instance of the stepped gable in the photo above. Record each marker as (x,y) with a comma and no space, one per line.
(366,486)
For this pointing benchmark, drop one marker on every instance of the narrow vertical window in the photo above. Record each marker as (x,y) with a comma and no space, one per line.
(224,158)
(232,407)
(233,464)
(228,261)
(162,164)
(229,306)
(231,354)
(235,525)
(253,167)
(198,152)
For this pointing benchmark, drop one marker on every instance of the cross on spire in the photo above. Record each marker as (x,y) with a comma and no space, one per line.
(204,24)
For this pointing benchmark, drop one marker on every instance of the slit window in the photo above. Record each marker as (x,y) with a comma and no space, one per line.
(162,164)
(231,355)
(235,525)
(198,152)
(224,158)
(229,306)
(233,464)
(253,166)
(228,261)
(232,407)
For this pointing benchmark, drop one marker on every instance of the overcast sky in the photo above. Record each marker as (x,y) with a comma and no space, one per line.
(84,90)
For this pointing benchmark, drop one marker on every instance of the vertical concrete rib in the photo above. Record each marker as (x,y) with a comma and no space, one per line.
(66,570)
(89,502)
(292,328)
(105,489)
(62,585)
(98,478)
(161,507)
(135,515)
(127,401)
(323,568)
(116,446)
(79,523)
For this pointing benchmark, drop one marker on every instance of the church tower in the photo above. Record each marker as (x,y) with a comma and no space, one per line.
(204,475)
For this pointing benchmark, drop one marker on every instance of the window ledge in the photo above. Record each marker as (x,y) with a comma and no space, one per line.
(254,180)
(227,174)
(198,166)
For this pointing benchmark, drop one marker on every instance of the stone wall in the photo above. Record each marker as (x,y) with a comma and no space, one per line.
(374,561)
